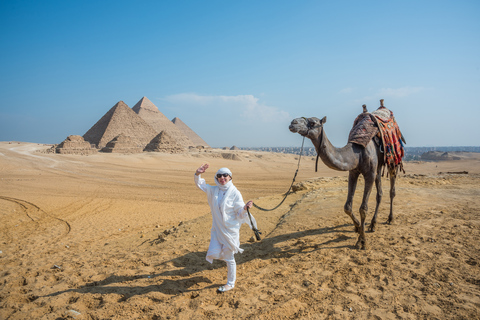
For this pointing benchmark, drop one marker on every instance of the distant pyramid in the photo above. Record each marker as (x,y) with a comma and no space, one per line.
(122,144)
(164,142)
(189,133)
(75,145)
(150,113)
(120,119)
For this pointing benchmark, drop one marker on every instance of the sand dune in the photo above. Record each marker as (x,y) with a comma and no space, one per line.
(111,236)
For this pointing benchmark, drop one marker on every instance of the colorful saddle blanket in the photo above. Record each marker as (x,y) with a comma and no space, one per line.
(381,122)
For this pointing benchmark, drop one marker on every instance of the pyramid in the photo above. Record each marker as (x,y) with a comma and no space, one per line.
(164,142)
(75,145)
(189,132)
(150,113)
(120,119)
(122,144)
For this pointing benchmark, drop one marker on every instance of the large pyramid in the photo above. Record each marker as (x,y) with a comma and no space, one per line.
(189,132)
(120,119)
(150,113)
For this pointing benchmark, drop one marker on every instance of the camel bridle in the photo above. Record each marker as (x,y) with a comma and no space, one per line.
(310,127)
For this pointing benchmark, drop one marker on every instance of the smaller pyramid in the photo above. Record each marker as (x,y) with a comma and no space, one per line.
(122,144)
(164,142)
(120,119)
(159,122)
(75,145)
(195,138)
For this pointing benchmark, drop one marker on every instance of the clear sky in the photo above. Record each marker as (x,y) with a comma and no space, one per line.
(237,72)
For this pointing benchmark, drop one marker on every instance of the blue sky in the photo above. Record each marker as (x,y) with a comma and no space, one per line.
(237,72)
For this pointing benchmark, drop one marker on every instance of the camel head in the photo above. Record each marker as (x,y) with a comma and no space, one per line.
(307,127)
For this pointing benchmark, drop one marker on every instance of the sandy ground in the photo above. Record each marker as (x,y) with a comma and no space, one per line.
(112,236)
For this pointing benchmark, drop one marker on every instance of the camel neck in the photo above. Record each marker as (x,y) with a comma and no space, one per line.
(333,157)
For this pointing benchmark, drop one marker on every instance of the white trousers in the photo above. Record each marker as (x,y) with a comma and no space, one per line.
(217,251)
(231,271)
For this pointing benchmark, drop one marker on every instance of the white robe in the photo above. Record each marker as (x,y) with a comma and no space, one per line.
(228,214)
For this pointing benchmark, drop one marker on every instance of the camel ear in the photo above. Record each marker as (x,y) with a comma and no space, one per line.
(324,119)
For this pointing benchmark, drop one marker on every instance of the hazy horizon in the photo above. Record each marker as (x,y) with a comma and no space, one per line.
(245,147)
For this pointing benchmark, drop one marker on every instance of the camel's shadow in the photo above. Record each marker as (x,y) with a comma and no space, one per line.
(187,266)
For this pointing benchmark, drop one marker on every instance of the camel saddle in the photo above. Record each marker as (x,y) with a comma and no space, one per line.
(380,123)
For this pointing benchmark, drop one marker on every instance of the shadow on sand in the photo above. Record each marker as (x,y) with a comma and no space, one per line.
(186,266)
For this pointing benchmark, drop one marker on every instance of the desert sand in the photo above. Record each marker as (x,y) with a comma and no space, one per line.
(112,236)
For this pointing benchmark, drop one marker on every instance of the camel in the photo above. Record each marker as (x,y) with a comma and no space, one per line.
(355,159)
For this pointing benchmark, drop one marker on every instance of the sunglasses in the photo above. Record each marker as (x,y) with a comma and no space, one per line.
(219,175)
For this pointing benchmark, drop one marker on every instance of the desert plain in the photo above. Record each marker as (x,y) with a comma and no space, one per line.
(124,236)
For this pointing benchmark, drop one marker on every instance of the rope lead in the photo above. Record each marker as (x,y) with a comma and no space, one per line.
(288,192)
(255,230)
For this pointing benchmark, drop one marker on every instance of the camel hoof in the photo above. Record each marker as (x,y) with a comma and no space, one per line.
(371,229)
(360,245)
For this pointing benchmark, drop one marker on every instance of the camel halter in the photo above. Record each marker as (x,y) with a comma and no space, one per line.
(318,155)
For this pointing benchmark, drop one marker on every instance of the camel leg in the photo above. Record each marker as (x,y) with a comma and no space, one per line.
(369,180)
(392,195)
(352,185)
(378,186)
